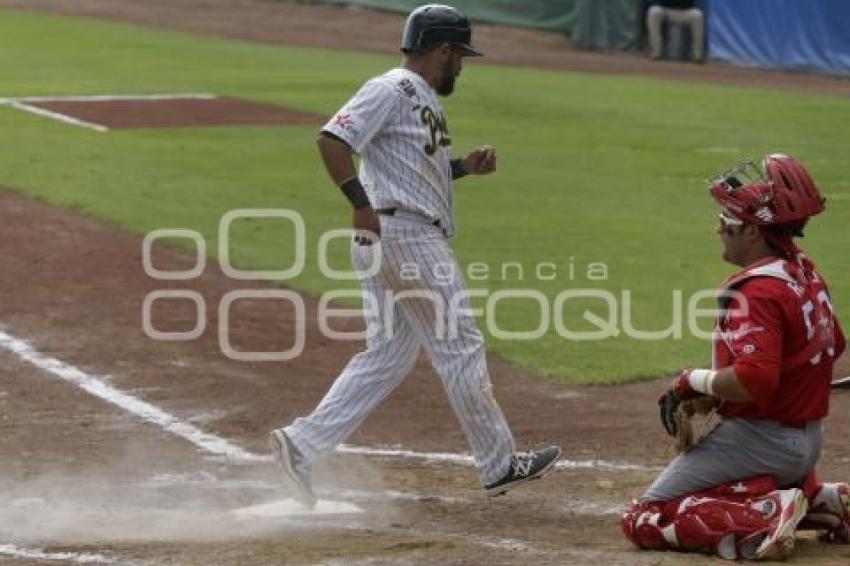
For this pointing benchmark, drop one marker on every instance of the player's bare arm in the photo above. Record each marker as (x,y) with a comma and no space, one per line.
(340,166)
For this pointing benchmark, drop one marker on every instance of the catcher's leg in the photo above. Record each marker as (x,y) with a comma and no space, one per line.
(761,527)
(739,448)
(829,509)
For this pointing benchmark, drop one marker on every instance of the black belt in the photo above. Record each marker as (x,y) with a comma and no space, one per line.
(392,211)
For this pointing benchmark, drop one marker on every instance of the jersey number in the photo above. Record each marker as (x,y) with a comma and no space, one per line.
(823,324)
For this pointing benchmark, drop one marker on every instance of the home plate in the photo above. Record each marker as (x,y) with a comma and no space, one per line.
(292,508)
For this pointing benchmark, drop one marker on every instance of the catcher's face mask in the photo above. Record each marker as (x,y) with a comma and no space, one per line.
(745,194)
(743,174)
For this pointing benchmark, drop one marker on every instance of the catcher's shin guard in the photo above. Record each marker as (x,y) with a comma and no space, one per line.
(642,523)
(748,528)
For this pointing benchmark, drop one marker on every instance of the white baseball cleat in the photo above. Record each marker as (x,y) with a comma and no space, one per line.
(779,541)
(295,470)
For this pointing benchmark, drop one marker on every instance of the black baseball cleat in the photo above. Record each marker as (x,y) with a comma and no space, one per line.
(296,471)
(525,466)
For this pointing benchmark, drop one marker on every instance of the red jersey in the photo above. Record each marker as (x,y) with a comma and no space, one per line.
(779,330)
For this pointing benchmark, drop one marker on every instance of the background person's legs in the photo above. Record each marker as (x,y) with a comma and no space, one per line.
(654,24)
(694,19)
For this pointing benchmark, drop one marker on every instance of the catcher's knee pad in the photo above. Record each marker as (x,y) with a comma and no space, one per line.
(829,511)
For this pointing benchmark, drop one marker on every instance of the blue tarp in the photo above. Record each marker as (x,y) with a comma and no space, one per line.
(781,34)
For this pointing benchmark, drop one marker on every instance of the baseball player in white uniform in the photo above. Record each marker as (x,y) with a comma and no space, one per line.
(402,201)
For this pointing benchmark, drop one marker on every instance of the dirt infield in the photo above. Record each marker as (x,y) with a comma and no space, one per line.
(294,23)
(89,476)
(74,442)
(178,112)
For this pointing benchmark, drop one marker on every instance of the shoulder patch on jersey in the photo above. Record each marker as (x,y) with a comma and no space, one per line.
(345,122)
(407,88)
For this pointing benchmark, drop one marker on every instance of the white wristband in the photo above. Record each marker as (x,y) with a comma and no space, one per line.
(702,380)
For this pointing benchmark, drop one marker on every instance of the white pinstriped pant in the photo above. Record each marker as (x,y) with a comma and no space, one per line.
(453,342)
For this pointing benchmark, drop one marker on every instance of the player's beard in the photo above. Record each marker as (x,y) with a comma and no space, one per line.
(447,84)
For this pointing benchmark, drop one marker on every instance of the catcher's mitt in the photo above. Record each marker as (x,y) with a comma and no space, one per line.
(676,415)
(702,405)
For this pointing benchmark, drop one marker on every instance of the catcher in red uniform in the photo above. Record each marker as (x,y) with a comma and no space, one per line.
(743,490)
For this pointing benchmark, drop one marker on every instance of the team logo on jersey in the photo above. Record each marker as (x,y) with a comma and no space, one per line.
(344,121)
(746,328)
(438,129)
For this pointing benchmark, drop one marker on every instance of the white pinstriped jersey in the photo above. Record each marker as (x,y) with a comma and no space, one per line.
(396,125)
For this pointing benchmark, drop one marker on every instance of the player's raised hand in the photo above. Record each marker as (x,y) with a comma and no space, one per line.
(480,161)
(367,225)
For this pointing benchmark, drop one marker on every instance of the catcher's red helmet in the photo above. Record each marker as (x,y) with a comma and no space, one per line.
(780,192)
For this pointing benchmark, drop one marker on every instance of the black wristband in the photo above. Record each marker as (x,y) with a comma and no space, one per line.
(355,193)
(458,170)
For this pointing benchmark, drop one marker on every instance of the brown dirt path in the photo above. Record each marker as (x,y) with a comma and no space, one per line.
(179,113)
(294,23)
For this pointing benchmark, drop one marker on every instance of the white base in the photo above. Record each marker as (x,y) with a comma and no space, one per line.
(292,508)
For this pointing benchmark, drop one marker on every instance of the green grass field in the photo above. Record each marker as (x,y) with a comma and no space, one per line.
(592,169)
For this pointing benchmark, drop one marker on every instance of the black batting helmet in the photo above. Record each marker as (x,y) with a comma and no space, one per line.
(434,24)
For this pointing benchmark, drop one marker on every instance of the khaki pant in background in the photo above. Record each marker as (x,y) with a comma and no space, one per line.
(655,18)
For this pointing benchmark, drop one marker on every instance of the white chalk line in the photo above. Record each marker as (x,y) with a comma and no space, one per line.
(467,460)
(109,97)
(217,445)
(25,103)
(99,388)
(35,554)
(58,116)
